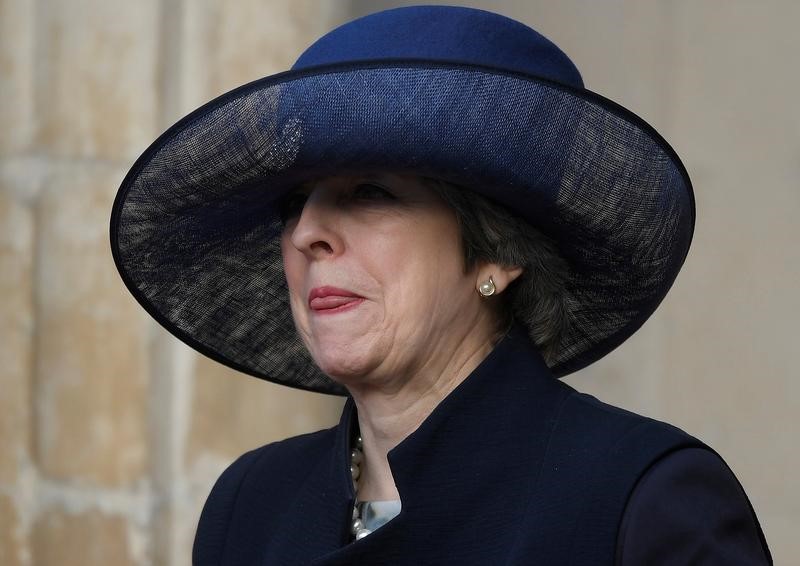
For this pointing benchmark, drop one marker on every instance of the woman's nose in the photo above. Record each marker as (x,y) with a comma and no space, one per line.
(315,233)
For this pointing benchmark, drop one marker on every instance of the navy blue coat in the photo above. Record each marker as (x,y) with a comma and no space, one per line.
(513,467)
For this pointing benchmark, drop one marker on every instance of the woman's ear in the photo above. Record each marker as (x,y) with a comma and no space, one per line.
(493,279)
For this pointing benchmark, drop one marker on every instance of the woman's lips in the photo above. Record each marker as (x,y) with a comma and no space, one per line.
(328,300)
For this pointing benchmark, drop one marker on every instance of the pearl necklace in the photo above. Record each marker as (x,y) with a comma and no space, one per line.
(357,527)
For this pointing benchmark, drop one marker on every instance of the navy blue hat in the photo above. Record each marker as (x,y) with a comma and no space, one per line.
(463,95)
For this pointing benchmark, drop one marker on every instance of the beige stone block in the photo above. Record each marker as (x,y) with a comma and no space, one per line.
(225,48)
(97,88)
(16,74)
(16,322)
(13,549)
(92,371)
(88,538)
(164,543)
(232,412)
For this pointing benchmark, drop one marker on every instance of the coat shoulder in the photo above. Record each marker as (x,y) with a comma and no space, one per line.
(281,464)
(592,422)
(599,448)
(595,456)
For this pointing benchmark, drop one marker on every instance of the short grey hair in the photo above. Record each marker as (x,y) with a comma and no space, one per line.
(490,232)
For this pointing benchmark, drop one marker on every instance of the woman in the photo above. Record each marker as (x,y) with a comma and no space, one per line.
(432,216)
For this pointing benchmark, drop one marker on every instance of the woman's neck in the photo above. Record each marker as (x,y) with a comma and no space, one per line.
(386,418)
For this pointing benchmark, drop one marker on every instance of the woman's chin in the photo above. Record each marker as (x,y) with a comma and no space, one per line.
(344,354)
(345,370)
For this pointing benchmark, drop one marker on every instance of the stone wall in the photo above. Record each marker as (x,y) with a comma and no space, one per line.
(112,432)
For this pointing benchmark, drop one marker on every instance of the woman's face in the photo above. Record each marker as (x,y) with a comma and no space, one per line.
(376,275)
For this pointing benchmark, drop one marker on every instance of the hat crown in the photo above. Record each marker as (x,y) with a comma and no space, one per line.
(444,34)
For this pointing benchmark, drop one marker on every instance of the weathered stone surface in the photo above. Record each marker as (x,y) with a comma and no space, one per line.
(97,87)
(88,538)
(92,365)
(13,549)
(16,322)
(233,412)
(16,74)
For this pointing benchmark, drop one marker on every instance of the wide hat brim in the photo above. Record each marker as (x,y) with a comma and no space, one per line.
(195,233)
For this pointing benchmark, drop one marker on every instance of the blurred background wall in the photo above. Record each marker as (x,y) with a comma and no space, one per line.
(112,432)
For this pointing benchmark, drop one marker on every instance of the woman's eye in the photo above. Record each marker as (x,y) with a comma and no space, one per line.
(369,191)
(291,206)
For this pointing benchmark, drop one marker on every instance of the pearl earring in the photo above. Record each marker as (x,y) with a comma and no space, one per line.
(487,288)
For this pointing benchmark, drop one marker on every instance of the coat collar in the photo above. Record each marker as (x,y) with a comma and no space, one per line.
(482,448)
(509,401)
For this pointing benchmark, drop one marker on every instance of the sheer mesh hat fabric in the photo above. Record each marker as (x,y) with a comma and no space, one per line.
(463,95)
